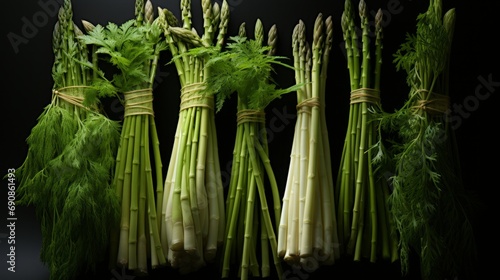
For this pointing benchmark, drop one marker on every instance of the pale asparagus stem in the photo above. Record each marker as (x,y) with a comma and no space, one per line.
(187,215)
(218,183)
(203,172)
(285,228)
(168,213)
(158,169)
(304,134)
(292,238)
(318,239)
(193,189)
(285,225)
(167,194)
(177,212)
(214,213)
(307,231)
(327,202)
(327,166)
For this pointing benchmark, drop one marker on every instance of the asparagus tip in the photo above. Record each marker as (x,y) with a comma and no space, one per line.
(87,25)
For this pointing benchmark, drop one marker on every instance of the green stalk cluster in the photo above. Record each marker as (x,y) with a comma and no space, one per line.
(245,68)
(308,226)
(192,212)
(365,227)
(429,203)
(134,49)
(67,173)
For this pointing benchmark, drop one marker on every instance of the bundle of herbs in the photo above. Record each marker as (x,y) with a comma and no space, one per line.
(192,224)
(245,67)
(67,173)
(308,226)
(133,49)
(365,226)
(429,203)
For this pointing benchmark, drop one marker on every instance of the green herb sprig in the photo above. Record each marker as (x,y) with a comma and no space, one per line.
(429,204)
(67,173)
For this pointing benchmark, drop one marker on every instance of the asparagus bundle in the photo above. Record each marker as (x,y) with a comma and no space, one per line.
(365,228)
(134,48)
(429,203)
(245,68)
(308,227)
(67,173)
(192,223)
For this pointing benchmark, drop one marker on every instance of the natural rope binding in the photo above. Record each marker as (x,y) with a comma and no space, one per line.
(248,115)
(434,104)
(367,95)
(71,94)
(306,105)
(191,97)
(139,102)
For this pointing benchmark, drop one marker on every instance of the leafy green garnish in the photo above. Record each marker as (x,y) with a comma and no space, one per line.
(244,67)
(128,47)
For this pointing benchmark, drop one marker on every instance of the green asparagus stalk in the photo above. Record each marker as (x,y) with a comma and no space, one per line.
(134,48)
(365,227)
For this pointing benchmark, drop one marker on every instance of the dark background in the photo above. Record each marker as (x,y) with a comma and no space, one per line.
(27,85)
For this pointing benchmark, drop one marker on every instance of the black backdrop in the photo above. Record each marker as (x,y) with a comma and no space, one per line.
(475,80)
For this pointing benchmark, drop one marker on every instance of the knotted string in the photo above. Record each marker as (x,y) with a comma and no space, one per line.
(306,105)
(368,95)
(435,103)
(191,97)
(139,102)
(249,115)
